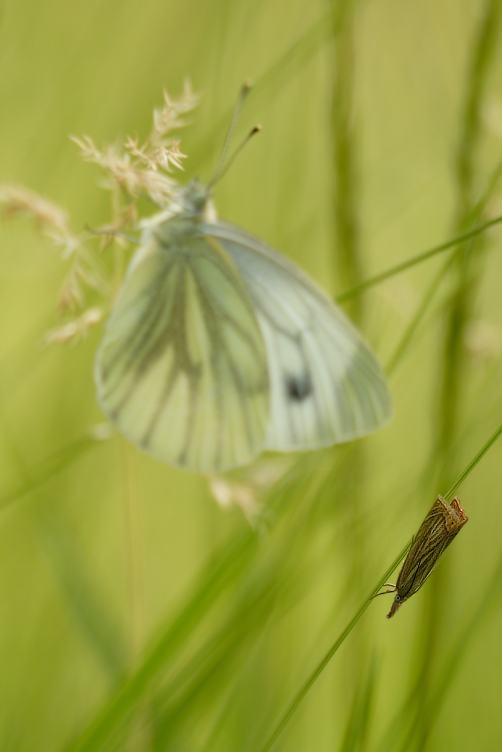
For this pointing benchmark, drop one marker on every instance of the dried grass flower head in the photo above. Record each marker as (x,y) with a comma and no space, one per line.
(142,169)
(133,170)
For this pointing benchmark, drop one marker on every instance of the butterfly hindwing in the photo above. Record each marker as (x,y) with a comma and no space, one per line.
(326,386)
(182,370)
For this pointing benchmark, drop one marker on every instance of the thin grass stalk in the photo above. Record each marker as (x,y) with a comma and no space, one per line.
(220,573)
(359,723)
(91,614)
(344,147)
(133,552)
(349,266)
(81,597)
(140,734)
(403,727)
(215,663)
(331,652)
(350,626)
(47,470)
(228,566)
(411,329)
(452,360)
(465,278)
(434,286)
(448,667)
(452,663)
(418,259)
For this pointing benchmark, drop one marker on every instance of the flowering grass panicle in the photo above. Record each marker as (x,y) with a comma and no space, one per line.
(133,171)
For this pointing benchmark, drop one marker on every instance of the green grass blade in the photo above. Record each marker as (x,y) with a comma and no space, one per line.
(352,623)
(418,259)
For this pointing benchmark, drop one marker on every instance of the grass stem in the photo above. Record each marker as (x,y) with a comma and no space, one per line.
(352,623)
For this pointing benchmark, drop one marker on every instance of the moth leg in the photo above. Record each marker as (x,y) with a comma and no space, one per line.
(386,592)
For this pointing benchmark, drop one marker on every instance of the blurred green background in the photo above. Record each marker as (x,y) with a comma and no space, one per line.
(136,614)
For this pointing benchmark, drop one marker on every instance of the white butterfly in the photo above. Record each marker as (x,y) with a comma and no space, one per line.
(218,348)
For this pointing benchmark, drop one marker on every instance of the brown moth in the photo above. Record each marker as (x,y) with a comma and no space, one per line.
(435,534)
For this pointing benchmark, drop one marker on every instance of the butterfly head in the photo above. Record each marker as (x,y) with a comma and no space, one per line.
(190,205)
(196,201)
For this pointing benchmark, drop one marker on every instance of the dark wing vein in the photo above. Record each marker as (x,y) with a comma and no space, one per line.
(308,341)
(183,361)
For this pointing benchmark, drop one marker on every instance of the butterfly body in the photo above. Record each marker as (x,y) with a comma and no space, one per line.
(218,347)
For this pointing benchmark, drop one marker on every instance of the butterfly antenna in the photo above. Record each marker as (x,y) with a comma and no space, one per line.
(224,163)
(223,171)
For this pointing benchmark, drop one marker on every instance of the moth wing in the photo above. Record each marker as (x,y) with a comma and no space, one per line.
(428,545)
(326,385)
(182,368)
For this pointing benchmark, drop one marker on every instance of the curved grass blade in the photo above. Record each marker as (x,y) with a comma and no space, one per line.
(424,256)
(340,640)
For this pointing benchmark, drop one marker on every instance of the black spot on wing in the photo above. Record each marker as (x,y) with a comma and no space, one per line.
(298,388)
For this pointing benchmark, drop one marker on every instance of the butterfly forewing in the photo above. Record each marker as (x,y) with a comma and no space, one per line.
(326,385)
(182,370)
